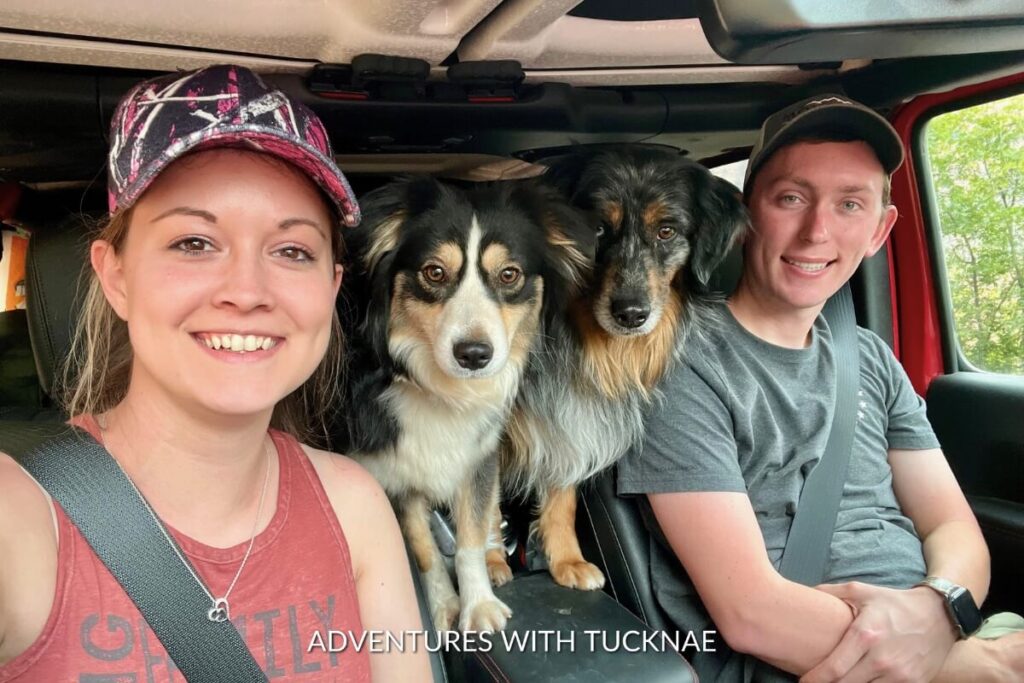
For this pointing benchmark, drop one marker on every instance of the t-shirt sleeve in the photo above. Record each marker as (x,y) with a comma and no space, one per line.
(908,427)
(688,443)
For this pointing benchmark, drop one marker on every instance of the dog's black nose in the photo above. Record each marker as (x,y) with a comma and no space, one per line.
(473,355)
(630,312)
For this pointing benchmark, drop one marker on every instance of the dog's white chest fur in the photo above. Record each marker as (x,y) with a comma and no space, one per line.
(439,445)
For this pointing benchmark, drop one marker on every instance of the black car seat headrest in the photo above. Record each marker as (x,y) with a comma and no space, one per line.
(727,275)
(19,386)
(56,256)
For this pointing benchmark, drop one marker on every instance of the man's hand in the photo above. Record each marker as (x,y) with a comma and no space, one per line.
(896,635)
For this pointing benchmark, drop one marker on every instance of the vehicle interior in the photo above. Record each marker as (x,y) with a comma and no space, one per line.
(485,90)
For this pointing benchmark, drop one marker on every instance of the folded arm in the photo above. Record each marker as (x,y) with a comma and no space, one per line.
(758,612)
(907,633)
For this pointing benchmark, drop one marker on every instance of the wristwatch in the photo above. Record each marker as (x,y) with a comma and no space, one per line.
(960,605)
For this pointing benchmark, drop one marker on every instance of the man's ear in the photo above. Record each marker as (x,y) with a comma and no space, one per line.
(106,262)
(889,216)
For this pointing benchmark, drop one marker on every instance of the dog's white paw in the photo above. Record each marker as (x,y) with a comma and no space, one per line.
(487,615)
(445,613)
(576,574)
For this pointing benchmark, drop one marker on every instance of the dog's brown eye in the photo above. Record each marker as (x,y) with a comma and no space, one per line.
(509,276)
(666,232)
(434,274)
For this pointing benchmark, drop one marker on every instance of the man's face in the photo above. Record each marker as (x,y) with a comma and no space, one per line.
(816,210)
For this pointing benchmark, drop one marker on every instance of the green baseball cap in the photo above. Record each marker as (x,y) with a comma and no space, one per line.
(831,112)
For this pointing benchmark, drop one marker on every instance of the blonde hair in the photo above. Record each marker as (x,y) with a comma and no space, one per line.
(98,368)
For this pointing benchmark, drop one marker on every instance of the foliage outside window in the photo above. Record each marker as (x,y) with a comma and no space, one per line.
(977,161)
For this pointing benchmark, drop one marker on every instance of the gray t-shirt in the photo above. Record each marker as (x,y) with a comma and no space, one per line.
(743,415)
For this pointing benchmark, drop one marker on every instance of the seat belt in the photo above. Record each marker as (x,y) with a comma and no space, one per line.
(84,478)
(806,554)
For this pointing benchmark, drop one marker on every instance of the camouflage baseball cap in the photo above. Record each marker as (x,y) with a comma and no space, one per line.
(826,112)
(162,119)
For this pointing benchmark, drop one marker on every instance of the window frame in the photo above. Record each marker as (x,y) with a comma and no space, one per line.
(953,357)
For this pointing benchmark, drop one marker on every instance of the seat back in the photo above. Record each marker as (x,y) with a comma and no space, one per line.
(20,395)
(612,535)
(55,260)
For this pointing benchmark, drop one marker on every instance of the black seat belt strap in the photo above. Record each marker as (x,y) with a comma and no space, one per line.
(97,496)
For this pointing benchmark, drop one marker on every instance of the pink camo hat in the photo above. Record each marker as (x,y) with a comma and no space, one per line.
(163,119)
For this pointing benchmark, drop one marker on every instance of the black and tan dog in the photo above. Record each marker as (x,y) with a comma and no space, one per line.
(452,291)
(665,223)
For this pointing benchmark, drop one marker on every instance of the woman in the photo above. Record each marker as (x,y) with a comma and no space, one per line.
(210,318)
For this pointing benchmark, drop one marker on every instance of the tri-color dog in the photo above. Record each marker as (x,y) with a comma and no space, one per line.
(452,293)
(665,223)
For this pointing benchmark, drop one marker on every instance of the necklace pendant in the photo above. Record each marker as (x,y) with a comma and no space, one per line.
(219,611)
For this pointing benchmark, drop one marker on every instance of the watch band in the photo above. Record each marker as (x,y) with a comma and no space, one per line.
(943,587)
(960,605)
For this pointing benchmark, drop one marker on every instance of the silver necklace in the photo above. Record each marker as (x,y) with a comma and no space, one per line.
(219,607)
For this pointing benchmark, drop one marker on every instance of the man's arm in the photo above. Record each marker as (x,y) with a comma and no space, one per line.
(716,537)
(954,549)
(929,495)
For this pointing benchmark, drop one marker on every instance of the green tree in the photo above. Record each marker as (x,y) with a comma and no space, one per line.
(977,160)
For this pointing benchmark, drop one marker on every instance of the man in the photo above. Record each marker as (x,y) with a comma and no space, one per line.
(746,416)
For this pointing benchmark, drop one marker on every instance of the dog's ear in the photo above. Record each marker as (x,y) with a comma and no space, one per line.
(374,245)
(572,241)
(721,221)
(385,211)
(564,172)
(378,314)
(570,256)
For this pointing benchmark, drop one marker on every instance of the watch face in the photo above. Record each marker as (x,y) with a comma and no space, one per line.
(966,612)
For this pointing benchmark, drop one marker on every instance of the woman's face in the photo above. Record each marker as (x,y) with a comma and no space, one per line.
(227,282)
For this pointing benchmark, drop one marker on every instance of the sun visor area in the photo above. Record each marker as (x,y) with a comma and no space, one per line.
(151,35)
(554,34)
(799,31)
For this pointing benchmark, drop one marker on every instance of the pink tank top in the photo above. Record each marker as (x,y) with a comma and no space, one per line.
(297,583)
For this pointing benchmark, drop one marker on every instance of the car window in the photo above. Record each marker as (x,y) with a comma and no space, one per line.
(12,268)
(733,172)
(978,182)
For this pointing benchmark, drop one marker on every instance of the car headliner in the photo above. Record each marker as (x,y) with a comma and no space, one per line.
(597,71)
